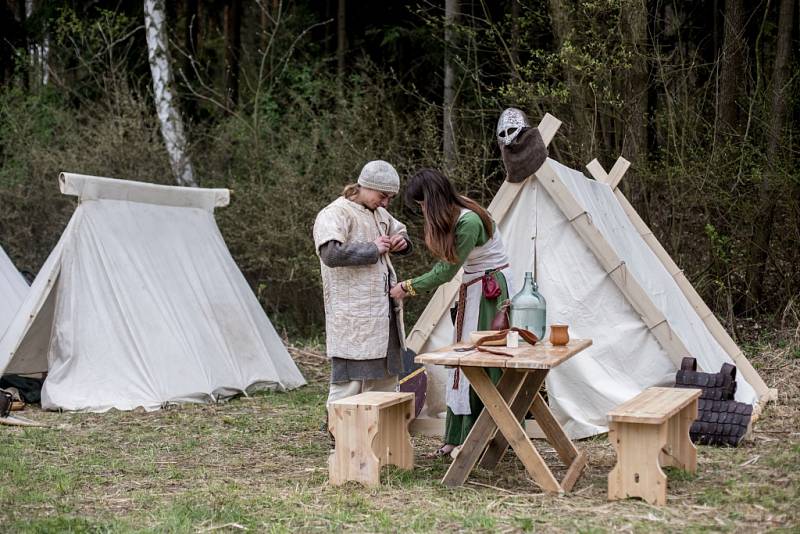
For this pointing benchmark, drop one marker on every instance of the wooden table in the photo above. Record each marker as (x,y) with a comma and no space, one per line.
(506,403)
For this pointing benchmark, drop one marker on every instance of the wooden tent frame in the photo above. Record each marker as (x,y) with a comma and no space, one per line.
(614,266)
(613,179)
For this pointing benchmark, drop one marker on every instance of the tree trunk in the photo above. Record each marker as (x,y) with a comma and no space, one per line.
(164,93)
(580,124)
(655,18)
(233,45)
(448,130)
(8,28)
(23,44)
(265,27)
(768,193)
(731,66)
(515,14)
(634,31)
(341,48)
(191,35)
(190,30)
(328,47)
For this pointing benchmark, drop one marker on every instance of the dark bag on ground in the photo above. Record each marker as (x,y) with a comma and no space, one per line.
(30,389)
(6,400)
(720,419)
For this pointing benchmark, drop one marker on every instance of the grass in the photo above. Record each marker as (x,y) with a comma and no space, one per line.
(259,464)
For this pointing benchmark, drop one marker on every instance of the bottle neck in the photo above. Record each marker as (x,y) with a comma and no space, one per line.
(529,284)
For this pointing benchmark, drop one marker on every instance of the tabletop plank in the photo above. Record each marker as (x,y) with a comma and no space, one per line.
(539,356)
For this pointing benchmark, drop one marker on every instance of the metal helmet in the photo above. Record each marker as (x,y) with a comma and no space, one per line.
(510,124)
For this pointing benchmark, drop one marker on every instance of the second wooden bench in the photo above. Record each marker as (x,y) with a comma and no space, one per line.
(650,431)
(371,430)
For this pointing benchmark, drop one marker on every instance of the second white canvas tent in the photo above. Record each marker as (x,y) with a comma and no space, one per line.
(12,290)
(602,278)
(140,304)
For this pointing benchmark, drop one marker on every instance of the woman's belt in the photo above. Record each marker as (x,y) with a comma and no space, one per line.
(462,306)
(462,298)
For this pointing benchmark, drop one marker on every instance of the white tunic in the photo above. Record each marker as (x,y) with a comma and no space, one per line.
(357,297)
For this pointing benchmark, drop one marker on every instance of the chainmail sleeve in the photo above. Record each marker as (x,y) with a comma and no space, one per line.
(336,254)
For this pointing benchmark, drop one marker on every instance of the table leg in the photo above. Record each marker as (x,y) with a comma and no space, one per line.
(508,424)
(483,429)
(555,435)
(553,432)
(522,403)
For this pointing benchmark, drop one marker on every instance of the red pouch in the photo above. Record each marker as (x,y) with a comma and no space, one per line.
(491,289)
(500,321)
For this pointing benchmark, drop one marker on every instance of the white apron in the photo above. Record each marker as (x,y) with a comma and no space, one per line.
(486,257)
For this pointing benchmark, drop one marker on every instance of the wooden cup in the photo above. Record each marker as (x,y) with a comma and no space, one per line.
(559,334)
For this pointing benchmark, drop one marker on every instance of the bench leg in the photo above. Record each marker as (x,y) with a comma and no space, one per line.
(680,452)
(393,443)
(354,429)
(637,473)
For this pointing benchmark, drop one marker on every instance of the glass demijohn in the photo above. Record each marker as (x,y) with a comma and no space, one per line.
(528,308)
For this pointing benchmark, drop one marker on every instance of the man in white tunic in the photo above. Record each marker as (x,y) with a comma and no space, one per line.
(354,237)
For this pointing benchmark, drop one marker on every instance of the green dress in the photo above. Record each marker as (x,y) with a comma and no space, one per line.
(470,233)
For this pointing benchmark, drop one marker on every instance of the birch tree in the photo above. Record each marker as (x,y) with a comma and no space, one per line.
(155,24)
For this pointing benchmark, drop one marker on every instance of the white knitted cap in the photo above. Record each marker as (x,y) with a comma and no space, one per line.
(379,175)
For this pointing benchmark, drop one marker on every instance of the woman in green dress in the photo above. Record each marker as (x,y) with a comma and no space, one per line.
(459,233)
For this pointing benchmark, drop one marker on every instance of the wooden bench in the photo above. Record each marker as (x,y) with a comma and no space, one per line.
(371,430)
(650,431)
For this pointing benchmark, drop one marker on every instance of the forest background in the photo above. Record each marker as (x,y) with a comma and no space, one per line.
(284,101)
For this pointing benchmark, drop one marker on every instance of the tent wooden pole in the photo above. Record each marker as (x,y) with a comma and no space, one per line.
(613,265)
(498,209)
(703,311)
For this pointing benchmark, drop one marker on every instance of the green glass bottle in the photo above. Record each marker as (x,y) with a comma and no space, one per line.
(529,309)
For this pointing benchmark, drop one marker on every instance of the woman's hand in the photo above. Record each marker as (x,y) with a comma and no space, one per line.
(398,243)
(398,292)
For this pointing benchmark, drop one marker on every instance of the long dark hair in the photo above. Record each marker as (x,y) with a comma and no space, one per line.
(441,206)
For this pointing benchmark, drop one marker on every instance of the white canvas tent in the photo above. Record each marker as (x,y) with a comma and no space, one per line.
(140,303)
(603,273)
(12,290)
